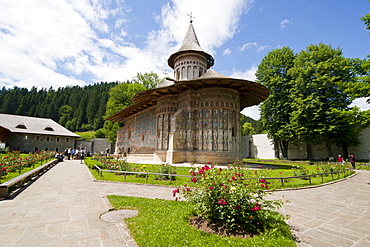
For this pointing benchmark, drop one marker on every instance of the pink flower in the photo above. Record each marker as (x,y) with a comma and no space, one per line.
(255,209)
(211,188)
(175,191)
(208,162)
(222,202)
(233,178)
(262,185)
(194,180)
(262,181)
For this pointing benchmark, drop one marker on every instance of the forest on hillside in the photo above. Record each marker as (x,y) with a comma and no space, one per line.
(74,107)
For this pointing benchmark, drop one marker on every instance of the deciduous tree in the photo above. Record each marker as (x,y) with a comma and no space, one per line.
(275,111)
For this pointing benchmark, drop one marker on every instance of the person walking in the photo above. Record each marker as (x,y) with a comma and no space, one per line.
(352,159)
(82,156)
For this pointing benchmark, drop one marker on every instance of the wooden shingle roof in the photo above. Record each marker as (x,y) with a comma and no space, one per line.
(251,93)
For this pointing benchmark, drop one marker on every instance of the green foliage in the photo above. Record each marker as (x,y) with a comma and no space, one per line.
(225,194)
(366,20)
(100,133)
(167,169)
(247,129)
(360,68)
(166,223)
(148,80)
(310,97)
(319,73)
(87,135)
(276,110)
(76,108)
(91,163)
(256,124)
(120,96)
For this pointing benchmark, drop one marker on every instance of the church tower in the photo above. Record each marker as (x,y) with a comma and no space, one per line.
(190,61)
(194,117)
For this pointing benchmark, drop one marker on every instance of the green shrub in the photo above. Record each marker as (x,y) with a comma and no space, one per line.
(167,169)
(225,194)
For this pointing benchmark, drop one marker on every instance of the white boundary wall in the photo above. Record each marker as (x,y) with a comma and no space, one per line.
(259,146)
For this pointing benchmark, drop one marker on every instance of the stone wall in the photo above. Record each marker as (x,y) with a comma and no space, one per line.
(31,143)
(259,146)
(138,135)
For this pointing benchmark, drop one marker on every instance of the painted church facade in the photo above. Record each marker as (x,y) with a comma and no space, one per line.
(193,118)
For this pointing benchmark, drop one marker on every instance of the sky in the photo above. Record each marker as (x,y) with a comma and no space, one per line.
(58,43)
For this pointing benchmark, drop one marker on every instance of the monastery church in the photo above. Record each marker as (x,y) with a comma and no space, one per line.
(193,118)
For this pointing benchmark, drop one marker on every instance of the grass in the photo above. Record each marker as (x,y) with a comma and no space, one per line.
(166,223)
(284,170)
(11,175)
(86,135)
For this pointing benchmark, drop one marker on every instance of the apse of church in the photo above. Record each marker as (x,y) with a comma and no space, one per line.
(193,118)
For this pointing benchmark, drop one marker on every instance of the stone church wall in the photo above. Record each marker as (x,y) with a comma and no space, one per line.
(138,133)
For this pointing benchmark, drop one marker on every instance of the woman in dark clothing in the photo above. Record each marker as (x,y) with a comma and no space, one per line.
(352,159)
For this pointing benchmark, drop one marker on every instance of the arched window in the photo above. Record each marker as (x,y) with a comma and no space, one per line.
(189,73)
(177,76)
(182,76)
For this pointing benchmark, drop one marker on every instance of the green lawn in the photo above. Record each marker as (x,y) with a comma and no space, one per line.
(166,223)
(11,175)
(284,169)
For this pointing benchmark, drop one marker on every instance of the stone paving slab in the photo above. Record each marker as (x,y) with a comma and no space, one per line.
(333,215)
(62,208)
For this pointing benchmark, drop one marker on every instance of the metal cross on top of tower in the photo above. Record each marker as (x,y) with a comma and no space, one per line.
(191,17)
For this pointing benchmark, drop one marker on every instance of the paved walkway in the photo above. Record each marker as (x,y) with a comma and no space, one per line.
(62,208)
(333,215)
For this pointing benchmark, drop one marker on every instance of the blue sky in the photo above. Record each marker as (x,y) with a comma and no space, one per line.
(80,42)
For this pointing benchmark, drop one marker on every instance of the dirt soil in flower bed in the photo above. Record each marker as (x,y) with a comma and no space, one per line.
(219,227)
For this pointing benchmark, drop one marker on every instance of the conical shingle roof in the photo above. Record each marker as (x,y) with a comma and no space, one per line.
(190,44)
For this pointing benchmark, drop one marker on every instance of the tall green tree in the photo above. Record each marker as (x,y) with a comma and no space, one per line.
(275,111)
(361,67)
(120,96)
(148,80)
(318,74)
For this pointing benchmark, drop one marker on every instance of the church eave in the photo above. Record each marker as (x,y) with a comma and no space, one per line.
(251,93)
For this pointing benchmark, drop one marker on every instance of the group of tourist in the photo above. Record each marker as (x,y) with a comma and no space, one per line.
(76,154)
(352,160)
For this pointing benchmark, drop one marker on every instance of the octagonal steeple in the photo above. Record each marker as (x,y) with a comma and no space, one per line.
(190,61)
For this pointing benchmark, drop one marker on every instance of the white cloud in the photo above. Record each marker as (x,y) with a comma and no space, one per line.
(215,21)
(284,23)
(250,45)
(66,42)
(226,52)
(249,74)
(252,112)
(361,103)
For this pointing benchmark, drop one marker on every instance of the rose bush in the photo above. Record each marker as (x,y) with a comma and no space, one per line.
(226,194)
